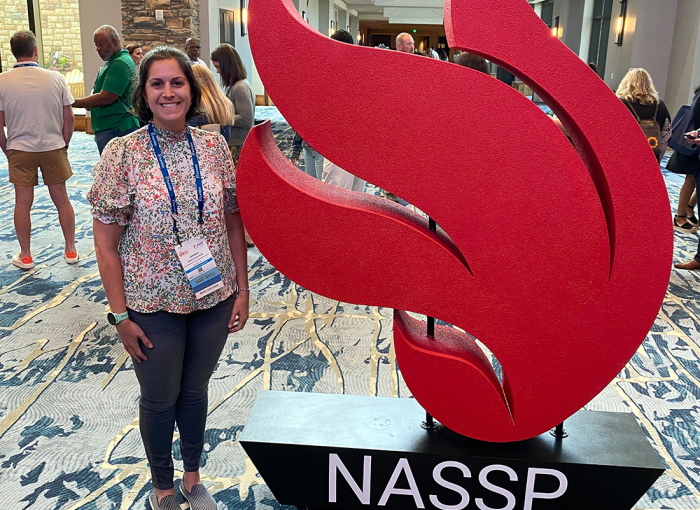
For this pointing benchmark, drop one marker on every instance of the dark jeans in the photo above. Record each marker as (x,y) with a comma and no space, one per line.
(103,137)
(174,383)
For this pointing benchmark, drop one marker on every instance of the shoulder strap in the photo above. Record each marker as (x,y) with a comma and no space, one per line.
(631,108)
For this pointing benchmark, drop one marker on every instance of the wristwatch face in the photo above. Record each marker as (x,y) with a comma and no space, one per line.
(111,319)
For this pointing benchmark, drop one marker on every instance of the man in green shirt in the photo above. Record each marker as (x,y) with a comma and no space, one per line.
(110,101)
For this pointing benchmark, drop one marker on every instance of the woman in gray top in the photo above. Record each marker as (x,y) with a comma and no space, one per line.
(233,77)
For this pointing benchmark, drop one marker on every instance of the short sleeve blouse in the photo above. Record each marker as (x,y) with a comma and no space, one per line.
(129,189)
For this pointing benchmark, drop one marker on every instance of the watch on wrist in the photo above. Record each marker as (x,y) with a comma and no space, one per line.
(116,318)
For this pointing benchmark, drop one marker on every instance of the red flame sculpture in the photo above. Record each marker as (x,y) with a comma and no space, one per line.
(557,259)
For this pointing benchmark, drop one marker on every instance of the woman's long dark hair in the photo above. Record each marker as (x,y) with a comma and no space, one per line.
(139,103)
(231,66)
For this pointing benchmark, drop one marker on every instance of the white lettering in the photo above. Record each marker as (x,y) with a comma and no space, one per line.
(483,480)
(530,493)
(335,465)
(437,476)
(391,486)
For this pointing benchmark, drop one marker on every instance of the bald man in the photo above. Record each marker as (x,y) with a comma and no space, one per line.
(110,101)
(404,43)
(192,48)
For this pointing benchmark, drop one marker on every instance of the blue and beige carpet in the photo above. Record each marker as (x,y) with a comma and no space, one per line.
(69,398)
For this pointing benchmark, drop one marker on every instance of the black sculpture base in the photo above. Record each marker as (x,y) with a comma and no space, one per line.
(339,451)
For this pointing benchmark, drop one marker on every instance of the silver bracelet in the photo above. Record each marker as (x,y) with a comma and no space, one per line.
(244,290)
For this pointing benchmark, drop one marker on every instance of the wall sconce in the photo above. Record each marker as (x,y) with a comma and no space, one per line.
(359,37)
(244,18)
(556,29)
(303,15)
(621,21)
(330,30)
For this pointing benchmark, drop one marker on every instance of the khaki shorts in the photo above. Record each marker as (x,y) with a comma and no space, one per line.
(24,167)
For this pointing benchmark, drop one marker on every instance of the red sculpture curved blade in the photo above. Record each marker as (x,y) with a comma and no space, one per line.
(554,247)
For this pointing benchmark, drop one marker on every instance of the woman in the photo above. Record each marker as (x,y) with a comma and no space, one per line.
(687,198)
(233,77)
(216,108)
(639,95)
(688,161)
(136,53)
(149,226)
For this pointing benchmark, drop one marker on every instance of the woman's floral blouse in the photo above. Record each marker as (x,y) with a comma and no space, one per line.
(129,189)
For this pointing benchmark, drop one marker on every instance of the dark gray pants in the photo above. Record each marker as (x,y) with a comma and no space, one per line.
(174,383)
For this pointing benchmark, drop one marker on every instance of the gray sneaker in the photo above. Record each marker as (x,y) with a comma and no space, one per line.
(167,503)
(199,498)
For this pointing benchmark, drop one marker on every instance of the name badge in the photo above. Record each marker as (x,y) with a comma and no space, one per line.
(199,266)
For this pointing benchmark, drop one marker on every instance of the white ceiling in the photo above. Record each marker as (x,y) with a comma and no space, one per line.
(423,12)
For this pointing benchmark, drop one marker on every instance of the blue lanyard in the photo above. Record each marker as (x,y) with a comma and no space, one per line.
(26,64)
(169,183)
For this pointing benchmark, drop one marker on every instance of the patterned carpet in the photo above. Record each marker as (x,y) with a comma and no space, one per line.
(68,395)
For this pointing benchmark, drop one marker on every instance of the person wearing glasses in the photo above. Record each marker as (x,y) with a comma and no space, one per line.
(192,48)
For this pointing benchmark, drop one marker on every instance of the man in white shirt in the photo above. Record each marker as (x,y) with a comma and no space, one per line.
(35,105)
(192,49)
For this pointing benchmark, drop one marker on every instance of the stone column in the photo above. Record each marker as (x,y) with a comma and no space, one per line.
(139,25)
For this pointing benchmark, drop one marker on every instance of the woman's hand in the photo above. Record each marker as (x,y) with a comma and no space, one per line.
(239,314)
(130,333)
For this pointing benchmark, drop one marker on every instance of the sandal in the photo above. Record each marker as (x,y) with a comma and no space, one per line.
(685,226)
(691,217)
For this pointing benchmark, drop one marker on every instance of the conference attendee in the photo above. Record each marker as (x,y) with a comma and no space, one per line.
(686,165)
(192,48)
(172,318)
(229,65)
(35,105)
(313,161)
(216,108)
(332,173)
(637,91)
(233,77)
(110,101)
(472,61)
(404,43)
(693,263)
(136,53)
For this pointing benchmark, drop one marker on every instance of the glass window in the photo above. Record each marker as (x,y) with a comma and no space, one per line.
(60,40)
(600,34)
(15,18)
(227,27)
(548,12)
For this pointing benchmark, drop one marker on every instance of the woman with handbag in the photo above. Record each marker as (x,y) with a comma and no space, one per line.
(687,164)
